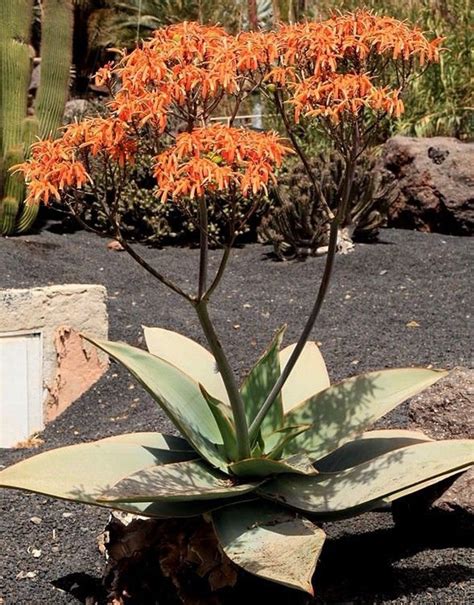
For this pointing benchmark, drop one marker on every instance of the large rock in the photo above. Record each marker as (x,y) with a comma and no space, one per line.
(444,411)
(435,183)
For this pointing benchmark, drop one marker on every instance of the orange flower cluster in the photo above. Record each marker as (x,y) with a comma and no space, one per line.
(56,165)
(341,93)
(218,158)
(331,66)
(183,66)
(362,32)
(51,168)
(315,48)
(332,69)
(186,69)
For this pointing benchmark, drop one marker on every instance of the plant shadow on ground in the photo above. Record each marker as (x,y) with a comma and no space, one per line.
(356,568)
(362,567)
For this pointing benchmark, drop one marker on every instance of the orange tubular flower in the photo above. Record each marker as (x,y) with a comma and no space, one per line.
(218,159)
(332,67)
(343,93)
(182,64)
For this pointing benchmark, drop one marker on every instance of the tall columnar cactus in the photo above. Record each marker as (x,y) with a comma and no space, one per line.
(17,129)
(15,24)
(56,57)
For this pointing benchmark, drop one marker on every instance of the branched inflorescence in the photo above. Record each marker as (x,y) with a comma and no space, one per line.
(332,70)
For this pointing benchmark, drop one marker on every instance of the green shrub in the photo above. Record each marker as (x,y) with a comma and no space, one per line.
(144,218)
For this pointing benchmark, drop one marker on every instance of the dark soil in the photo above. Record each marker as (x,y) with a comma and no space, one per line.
(408,278)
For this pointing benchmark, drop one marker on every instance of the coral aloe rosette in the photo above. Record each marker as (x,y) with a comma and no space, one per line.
(315,457)
(269,458)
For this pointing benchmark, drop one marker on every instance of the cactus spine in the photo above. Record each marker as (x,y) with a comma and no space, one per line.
(17,129)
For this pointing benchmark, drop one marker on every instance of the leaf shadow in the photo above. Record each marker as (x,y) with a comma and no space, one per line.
(369,561)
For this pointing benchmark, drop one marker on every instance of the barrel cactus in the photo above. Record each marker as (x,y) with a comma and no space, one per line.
(20,124)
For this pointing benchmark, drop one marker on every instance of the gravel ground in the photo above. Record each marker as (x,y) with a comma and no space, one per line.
(376,291)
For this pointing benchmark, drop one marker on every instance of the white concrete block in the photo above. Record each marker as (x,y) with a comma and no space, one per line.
(70,365)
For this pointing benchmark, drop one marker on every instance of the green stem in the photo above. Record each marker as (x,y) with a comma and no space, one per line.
(219,274)
(237,405)
(255,426)
(337,221)
(289,130)
(204,248)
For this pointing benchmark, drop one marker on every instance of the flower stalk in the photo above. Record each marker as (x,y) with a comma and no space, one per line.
(228,377)
(201,308)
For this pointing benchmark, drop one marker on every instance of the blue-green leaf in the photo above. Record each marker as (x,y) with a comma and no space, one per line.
(363,486)
(180,482)
(270,542)
(189,356)
(298,464)
(347,409)
(259,383)
(369,445)
(308,377)
(82,472)
(176,393)
(280,439)
(223,416)
(154,440)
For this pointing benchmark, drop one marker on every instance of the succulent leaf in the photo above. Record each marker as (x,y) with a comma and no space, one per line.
(363,486)
(180,482)
(82,472)
(259,383)
(348,408)
(422,485)
(176,393)
(270,542)
(282,437)
(369,445)
(189,356)
(265,467)
(308,377)
(223,416)
(154,440)
(173,510)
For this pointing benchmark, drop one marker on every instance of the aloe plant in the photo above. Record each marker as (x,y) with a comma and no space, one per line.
(17,129)
(269,459)
(313,458)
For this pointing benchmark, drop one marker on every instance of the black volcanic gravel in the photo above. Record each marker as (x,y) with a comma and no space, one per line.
(376,291)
